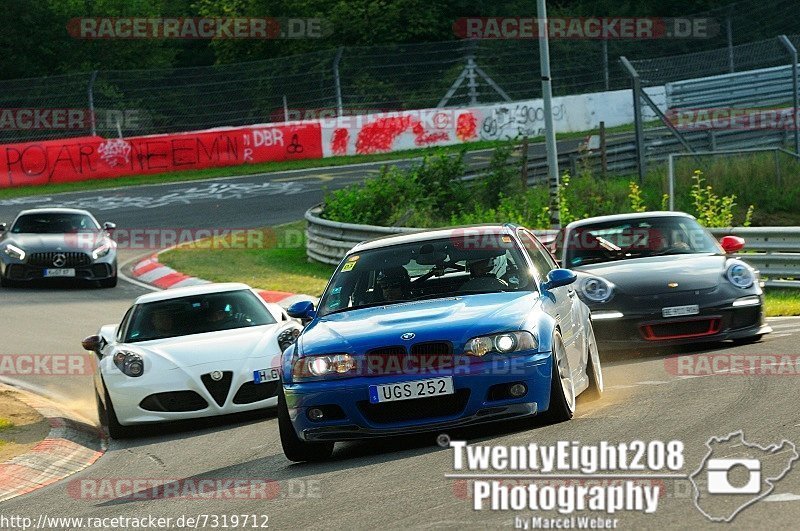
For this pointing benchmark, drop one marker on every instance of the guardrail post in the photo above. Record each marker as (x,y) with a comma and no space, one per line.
(795,103)
(636,85)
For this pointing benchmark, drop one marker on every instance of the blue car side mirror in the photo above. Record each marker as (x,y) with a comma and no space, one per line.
(302,310)
(557,278)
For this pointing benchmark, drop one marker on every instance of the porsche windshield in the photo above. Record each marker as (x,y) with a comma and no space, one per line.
(211,312)
(637,238)
(426,270)
(53,223)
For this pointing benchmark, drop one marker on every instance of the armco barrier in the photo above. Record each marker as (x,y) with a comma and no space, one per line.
(328,241)
(774,251)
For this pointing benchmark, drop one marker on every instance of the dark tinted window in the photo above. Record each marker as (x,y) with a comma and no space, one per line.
(637,238)
(460,265)
(197,314)
(54,223)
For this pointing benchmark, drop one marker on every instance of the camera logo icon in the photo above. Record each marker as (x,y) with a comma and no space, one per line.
(719,482)
(736,474)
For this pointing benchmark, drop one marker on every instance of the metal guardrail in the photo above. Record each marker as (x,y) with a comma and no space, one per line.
(774,251)
(754,88)
(328,241)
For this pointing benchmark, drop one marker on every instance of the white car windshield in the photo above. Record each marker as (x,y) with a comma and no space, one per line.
(198,314)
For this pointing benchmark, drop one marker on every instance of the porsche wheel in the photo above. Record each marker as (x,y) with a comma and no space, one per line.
(6,283)
(562,388)
(295,448)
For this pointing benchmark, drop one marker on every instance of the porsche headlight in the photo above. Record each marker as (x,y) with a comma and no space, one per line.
(740,275)
(596,289)
(129,363)
(502,343)
(102,250)
(14,252)
(321,366)
(287,338)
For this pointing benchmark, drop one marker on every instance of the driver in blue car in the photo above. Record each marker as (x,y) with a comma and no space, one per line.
(394,283)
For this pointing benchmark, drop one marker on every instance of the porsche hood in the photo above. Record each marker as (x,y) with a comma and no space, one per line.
(651,275)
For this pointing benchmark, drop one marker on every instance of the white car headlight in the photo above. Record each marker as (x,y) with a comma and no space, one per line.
(596,289)
(740,275)
(14,252)
(501,343)
(129,363)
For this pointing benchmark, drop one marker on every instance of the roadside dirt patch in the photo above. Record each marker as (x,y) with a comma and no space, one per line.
(29,427)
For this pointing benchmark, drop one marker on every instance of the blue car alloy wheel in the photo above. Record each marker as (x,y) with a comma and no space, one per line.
(433,331)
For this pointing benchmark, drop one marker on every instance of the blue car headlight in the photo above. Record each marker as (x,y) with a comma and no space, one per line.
(319,367)
(129,363)
(14,252)
(504,343)
(740,275)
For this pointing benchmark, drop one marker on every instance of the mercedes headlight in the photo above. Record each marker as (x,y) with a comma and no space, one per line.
(740,275)
(14,252)
(102,250)
(129,363)
(596,289)
(320,366)
(501,343)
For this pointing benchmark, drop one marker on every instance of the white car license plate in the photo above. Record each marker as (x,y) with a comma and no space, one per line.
(411,390)
(59,272)
(677,311)
(266,375)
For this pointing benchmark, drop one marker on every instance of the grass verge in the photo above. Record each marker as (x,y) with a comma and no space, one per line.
(281,265)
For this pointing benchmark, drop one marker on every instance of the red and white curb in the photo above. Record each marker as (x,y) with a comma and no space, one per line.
(153,273)
(70,447)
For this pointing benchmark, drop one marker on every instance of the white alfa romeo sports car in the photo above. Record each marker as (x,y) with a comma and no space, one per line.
(189,352)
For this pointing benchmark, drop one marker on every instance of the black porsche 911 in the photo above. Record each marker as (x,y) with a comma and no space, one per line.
(660,278)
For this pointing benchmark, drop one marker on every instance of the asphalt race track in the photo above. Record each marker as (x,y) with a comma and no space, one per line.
(397,483)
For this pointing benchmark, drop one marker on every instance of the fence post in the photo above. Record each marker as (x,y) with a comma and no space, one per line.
(90,93)
(336,81)
(524,171)
(605,63)
(285,109)
(472,84)
(671,177)
(729,35)
(793,53)
(636,85)
(603,150)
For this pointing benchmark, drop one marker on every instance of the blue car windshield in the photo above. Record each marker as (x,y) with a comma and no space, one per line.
(426,270)
(636,238)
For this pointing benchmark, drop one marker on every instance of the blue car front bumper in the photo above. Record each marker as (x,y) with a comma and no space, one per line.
(478,399)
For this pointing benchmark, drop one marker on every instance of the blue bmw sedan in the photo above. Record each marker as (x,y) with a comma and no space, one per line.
(435,330)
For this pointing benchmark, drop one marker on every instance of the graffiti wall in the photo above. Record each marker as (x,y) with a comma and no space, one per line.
(383,132)
(78,159)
